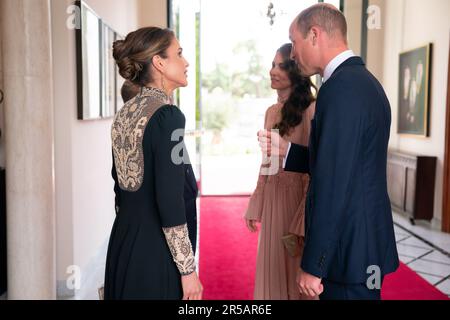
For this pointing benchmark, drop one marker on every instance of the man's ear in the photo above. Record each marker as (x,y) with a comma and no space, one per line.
(158,63)
(314,34)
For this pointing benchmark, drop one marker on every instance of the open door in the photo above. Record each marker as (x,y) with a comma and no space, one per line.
(184,19)
(230,46)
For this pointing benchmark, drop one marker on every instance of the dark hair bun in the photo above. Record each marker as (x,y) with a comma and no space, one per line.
(128,68)
(134,54)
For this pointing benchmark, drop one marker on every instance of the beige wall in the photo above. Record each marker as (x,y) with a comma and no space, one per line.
(2,143)
(84,187)
(153,13)
(408,24)
(375,44)
(352,12)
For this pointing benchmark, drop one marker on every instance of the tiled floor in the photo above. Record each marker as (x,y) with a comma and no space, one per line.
(424,250)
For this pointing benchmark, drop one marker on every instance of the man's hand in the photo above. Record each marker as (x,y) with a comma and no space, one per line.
(272,144)
(308,284)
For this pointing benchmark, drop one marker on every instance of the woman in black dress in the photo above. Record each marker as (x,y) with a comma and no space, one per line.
(150,255)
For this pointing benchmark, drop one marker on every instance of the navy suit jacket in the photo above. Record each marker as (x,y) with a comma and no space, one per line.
(349,224)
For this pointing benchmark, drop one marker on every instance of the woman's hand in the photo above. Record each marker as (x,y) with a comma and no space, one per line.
(251,225)
(192,287)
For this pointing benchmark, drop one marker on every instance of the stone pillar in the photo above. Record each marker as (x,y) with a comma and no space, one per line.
(29,147)
(2,141)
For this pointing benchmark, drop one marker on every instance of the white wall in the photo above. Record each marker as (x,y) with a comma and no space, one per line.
(409,24)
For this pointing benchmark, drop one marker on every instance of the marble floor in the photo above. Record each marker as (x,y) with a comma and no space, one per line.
(424,250)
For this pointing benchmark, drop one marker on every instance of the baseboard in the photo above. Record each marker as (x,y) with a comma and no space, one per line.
(436,224)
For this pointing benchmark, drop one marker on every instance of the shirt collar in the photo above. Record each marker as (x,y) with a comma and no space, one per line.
(335,63)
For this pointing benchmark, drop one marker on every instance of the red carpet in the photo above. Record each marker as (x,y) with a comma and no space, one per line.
(228,257)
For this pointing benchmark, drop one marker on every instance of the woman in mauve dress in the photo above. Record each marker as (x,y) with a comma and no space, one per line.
(278,201)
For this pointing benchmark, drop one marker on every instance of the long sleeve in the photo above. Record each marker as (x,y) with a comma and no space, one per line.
(116,188)
(255,205)
(297,225)
(338,126)
(181,248)
(303,132)
(168,148)
(297,160)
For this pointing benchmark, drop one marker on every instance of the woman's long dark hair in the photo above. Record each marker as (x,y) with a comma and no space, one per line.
(301,95)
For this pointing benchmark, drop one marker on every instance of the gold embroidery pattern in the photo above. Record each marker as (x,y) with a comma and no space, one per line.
(127,133)
(181,248)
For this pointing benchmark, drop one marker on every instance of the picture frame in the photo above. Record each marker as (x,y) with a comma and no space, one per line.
(89,57)
(98,79)
(414,91)
(108,73)
(119,80)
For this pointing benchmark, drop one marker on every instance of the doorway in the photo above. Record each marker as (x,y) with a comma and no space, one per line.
(230,46)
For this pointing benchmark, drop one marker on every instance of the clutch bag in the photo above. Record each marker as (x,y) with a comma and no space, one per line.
(292,244)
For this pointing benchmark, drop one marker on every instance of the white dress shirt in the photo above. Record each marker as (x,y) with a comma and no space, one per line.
(329,69)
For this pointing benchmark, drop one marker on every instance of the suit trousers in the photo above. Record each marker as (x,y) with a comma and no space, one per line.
(344,291)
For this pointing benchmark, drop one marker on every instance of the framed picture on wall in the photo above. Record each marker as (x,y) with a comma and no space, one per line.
(414,91)
(108,73)
(119,81)
(89,53)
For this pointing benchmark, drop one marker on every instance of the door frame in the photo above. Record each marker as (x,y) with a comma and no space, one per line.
(446,187)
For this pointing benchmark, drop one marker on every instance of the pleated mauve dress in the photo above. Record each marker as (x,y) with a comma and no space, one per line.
(278,202)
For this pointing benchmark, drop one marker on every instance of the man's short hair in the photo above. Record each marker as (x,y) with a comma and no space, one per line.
(325,16)
(129,91)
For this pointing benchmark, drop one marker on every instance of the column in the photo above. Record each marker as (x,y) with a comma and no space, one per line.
(29,147)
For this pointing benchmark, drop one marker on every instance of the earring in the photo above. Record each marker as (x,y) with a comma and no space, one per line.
(163,86)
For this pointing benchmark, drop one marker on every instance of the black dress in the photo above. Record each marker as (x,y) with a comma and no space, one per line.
(149,246)
(190,201)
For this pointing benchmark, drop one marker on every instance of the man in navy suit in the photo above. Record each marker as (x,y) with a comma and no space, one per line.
(350,243)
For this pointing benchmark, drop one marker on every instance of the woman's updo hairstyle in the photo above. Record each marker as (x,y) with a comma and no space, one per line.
(134,54)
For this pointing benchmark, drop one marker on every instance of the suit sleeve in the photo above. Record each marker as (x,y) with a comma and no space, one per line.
(297,159)
(255,204)
(168,146)
(338,138)
(297,224)
(116,187)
